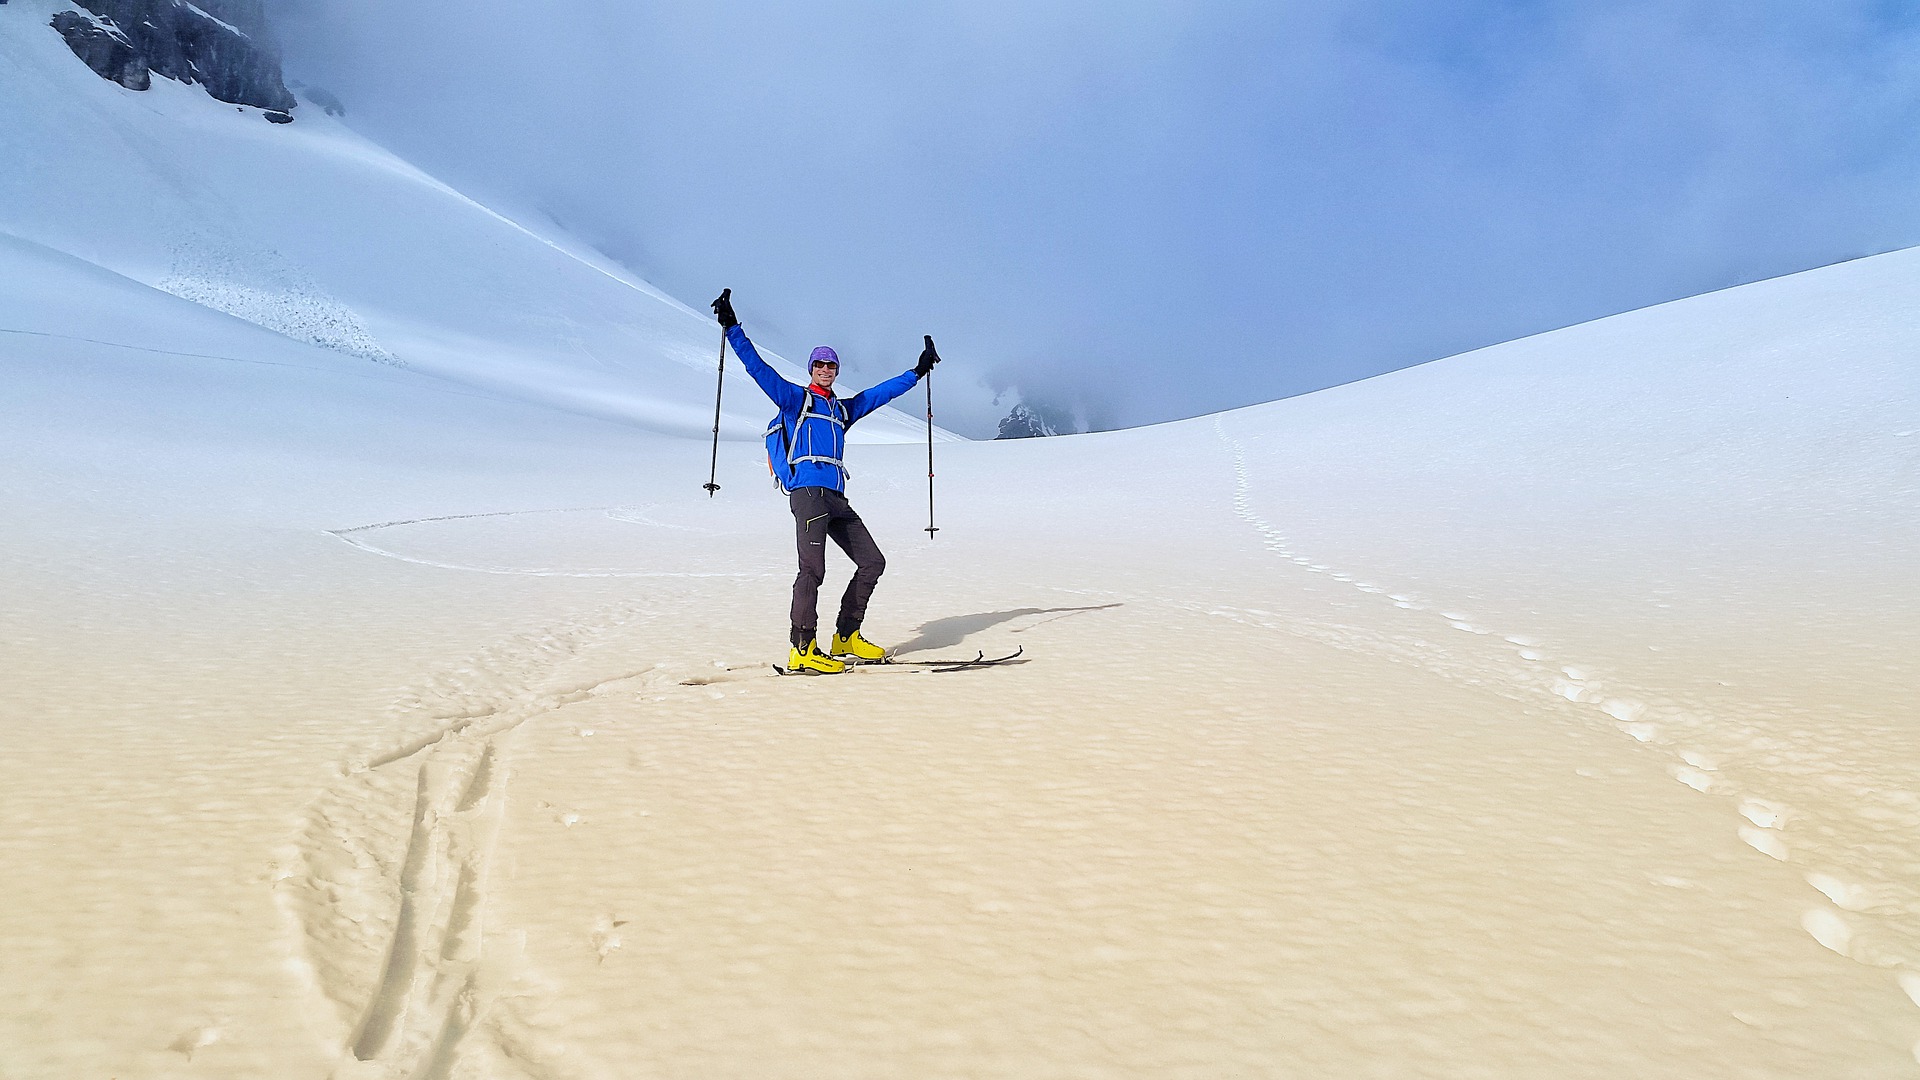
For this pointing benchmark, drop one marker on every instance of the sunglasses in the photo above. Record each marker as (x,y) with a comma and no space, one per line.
(825,363)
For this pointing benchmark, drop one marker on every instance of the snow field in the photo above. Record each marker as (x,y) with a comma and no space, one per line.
(1264,851)
(1540,711)
(1778,642)
(493,779)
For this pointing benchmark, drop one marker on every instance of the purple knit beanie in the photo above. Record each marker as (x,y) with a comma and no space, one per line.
(822,354)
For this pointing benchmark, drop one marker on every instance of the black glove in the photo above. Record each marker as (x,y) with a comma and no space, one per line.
(928,358)
(723,309)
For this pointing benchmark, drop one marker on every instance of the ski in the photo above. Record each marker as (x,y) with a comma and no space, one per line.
(933,667)
(953,663)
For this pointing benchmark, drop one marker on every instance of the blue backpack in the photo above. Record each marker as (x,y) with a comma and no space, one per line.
(780,451)
(779,454)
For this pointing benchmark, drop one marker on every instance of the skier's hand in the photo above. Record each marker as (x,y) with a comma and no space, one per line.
(723,309)
(928,358)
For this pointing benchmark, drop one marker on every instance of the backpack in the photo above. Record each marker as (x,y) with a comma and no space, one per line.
(780,460)
(779,449)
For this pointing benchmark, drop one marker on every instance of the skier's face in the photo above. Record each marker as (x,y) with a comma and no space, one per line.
(824,374)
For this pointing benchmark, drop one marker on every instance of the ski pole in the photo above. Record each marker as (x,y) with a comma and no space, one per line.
(713,468)
(931,528)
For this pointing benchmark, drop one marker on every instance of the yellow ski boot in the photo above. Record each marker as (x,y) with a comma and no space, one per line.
(809,658)
(862,650)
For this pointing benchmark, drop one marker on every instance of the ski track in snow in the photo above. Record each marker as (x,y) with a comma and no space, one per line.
(1763,818)
(385,884)
(165,352)
(615,513)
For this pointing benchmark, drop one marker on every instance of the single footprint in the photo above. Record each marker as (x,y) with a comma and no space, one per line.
(1764,841)
(1829,929)
(1847,896)
(1623,709)
(606,935)
(1910,982)
(1697,779)
(1765,814)
(193,1039)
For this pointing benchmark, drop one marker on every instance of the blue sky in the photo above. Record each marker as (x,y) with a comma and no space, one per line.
(1146,211)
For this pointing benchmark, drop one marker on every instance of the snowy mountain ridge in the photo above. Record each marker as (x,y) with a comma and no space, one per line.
(315,233)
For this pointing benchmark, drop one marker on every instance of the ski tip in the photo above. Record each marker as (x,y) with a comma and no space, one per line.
(807,673)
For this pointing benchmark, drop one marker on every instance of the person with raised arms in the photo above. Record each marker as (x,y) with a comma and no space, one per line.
(806,447)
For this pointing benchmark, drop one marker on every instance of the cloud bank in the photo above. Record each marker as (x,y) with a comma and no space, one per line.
(1139,212)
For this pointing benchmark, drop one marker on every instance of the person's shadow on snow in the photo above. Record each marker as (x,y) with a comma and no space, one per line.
(952,630)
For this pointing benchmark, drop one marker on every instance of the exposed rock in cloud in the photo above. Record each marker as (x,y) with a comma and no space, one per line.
(1034,422)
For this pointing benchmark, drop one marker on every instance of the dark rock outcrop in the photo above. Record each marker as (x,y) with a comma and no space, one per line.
(223,45)
(103,49)
(1033,422)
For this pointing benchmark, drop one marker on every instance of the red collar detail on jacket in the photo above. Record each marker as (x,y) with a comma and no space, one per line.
(823,393)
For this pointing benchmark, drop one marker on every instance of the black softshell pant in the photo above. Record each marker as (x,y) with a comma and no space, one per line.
(818,514)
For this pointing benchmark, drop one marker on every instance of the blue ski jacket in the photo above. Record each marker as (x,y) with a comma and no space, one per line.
(816,429)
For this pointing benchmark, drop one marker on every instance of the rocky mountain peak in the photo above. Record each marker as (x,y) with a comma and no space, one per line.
(1033,422)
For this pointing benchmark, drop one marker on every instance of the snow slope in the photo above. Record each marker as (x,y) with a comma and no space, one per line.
(310,231)
(1543,711)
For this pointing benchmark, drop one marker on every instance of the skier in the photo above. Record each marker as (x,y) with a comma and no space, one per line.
(813,428)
